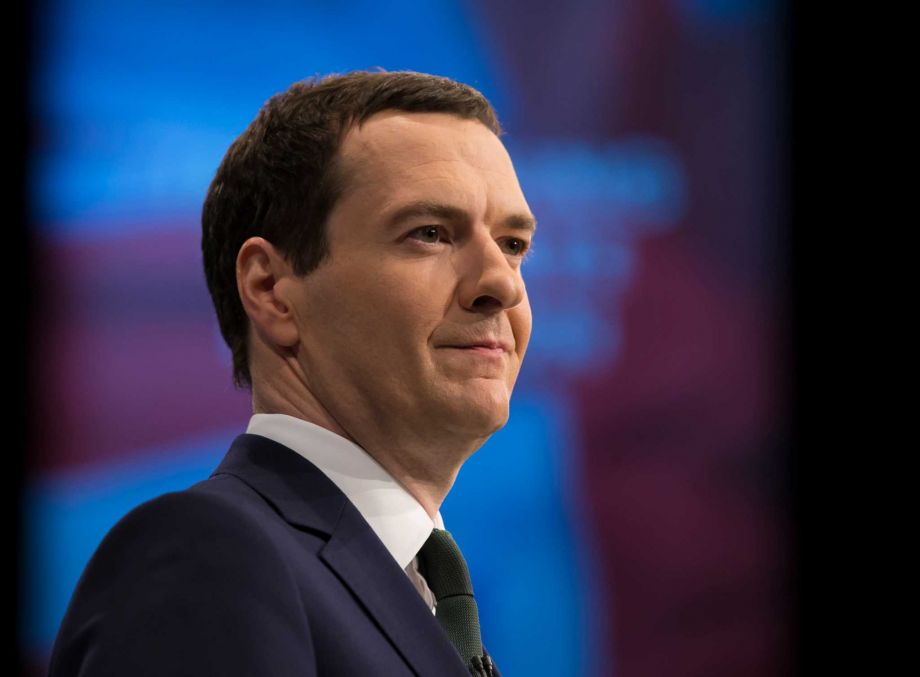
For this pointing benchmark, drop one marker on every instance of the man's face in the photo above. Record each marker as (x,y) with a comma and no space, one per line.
(419,316)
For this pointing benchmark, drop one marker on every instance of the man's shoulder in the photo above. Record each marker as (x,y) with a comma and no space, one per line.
(208,503)
(221,509)
(206,563)
(208,521)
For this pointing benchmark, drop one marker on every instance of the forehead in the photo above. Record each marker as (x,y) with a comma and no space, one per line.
(395,157)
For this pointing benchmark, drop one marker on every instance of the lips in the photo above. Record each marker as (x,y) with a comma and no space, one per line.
(486,345)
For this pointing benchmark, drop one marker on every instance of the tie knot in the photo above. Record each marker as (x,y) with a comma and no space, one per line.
(443,566)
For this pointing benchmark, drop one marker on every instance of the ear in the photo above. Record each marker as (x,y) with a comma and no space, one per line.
(259,269)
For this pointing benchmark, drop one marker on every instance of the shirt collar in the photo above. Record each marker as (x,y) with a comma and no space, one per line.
(399,520)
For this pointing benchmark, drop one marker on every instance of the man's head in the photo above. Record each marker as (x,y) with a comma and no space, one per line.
(370,229)
(280,178)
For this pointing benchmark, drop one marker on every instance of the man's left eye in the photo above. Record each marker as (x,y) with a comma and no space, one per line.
(515,246)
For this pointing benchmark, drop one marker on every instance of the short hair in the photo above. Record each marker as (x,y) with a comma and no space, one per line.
(280,180)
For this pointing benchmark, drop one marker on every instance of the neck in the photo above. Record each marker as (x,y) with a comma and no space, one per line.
(403,450)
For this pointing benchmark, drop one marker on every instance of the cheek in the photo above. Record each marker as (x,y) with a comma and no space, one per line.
(395,309)
(420,293)
(339,308)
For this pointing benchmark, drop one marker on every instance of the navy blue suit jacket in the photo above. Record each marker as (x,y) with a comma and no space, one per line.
(264,569)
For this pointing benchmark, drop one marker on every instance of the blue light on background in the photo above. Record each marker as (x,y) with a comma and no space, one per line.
(136,103)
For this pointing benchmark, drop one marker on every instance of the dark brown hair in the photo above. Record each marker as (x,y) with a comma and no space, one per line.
(279,179)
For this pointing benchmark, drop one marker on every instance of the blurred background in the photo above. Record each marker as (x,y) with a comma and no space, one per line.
(641,484)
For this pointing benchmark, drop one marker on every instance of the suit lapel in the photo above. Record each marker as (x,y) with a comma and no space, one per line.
(360,560)
(306,498)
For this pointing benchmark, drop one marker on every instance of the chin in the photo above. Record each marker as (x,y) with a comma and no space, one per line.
(484,417)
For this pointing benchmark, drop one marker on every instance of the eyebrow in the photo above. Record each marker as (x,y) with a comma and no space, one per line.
(448,212)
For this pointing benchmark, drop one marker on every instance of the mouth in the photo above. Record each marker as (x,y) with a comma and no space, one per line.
(485,349)
(486,343)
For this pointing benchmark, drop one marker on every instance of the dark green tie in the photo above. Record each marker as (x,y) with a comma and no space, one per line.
(444,569)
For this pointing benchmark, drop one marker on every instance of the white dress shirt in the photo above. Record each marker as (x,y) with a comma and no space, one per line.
(399,520)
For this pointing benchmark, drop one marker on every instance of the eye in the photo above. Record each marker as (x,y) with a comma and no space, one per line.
(428,234)
(515,246)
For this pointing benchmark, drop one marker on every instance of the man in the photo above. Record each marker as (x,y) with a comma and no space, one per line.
(363,242)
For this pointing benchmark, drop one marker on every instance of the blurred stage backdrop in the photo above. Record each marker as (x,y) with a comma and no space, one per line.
(639,488)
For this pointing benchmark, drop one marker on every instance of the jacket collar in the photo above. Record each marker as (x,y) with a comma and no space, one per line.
(306,498)
(397,518)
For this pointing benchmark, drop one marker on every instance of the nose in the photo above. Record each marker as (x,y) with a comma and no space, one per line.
(491,281)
